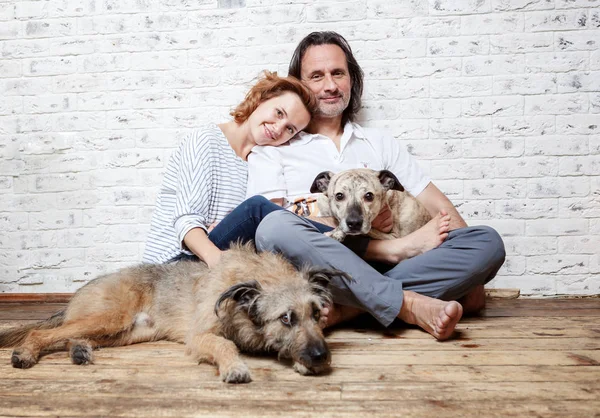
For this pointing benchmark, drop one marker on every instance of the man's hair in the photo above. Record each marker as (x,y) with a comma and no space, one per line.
(356,73)
(268,87)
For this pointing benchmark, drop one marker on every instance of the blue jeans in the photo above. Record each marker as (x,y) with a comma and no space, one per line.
(241,224)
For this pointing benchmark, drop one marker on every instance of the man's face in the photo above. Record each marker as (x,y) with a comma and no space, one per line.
(325,72)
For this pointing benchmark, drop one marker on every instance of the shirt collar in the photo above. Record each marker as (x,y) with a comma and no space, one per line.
(350,130)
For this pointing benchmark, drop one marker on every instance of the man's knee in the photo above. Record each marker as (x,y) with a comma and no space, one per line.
(275,230)
(492,246)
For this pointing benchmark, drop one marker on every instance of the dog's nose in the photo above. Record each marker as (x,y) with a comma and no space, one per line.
(318,354)
(354,224)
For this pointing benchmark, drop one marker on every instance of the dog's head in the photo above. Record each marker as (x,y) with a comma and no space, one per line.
(282,317)
(356,196)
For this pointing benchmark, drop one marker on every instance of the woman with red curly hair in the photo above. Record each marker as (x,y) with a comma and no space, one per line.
(206,177)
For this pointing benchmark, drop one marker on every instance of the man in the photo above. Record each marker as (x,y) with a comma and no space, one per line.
(432,271)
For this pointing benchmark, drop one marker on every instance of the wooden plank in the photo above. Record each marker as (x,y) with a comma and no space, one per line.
(35,297)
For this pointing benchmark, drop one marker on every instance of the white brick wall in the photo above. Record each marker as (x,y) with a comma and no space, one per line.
(499,99)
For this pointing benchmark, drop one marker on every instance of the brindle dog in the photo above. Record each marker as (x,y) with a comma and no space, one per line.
(255,302)
(355,197)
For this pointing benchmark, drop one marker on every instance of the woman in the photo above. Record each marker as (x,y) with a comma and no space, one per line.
(206,177)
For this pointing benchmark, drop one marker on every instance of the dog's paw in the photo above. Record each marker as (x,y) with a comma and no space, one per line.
(237,373)
(302,369)
(337,235)
(22,358)
(81,354)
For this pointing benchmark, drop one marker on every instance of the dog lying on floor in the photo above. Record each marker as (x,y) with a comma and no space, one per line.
(254,302)
(355,197)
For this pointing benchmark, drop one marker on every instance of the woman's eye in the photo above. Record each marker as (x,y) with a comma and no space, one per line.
(369,197)
(279,113)
(290,130)
(339,196)
(286,319)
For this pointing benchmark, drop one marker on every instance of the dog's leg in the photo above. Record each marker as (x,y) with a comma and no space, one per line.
(337,234)
(81,351)
(223,353)
(104,326)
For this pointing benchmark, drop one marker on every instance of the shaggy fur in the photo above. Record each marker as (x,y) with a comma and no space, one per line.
(255,302)
(355,197)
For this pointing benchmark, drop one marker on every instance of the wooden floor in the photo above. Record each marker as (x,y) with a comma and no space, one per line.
(523,357)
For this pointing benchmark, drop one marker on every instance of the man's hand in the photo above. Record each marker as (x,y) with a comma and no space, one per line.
(384,221)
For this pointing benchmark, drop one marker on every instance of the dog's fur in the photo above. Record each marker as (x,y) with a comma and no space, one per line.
(257,302)
(355,197)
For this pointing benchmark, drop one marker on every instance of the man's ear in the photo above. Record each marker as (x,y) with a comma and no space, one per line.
(244,294)
(321,182)
(389,181)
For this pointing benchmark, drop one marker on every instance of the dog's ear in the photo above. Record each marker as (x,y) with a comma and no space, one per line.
(321,182)
(244,294)
(389,181)
(320,277)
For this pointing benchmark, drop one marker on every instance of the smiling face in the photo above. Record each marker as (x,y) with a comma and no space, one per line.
(325,72)
(277,120)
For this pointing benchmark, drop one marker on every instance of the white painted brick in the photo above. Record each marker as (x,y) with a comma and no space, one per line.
(461,169)
(557,187)
(556,20)
(11,105)
(567,264)
(557,227)
(528,284)
(595,60)
(458,46)
(522,5)
(514,265)
(453,189)
(421,67)
(146,158)
(579,165)
(192,118)
(477,209)
(530,245)
(107,253)
(579,284)
(23,124)
(77,121)
(574,82)
(450,7)
(594,269)
(495,189)
(493,106)
(220,18)
(129,196)
(139,80)
(6,184)
(392,49)
(14,221)
(10,68)
(461,87)
(148,61)
(59,163)
(50,28)
(119,234)
(349,10)
(72,46)
(56,258)
(58,182)
(77,83)
(7,11)
(527,208)
(588,40)
(578,124)
(96,216)
(594,102)
(556,62)
(382,9)
(49,104)
(595,227)
(581,207)
(161,99)
(460,127)
(396,89)
(12,167)
(11,30)
(247,36)
(179,79)
(124,6)
(46,143)
(497,23)
(159,138)
(556,145)
(403,128)
(595,144)
(523,126)
(579,245)
(525,167)
(101,63)
(505,227)
(575,4)
(103,101)
(515,43)
(55,219)
(525,84)
(428,27)
(24,48)
(558,104)
(132,119)
(82,199)
(493,65)
(435,149)
(492,147)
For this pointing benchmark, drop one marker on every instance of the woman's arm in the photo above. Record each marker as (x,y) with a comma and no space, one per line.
(198,242)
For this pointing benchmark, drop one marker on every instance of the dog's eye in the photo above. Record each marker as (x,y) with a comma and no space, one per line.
(317,315)
(286,319)
(339,196)
(369,197)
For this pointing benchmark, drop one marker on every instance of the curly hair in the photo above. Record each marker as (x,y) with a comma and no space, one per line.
(356,73)
(268,87)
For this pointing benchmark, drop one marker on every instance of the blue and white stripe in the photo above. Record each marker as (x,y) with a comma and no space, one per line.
(203,182)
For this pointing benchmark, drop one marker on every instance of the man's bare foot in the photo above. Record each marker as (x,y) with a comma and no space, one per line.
(334,314)
(428,237)
(437,317)
(473,302)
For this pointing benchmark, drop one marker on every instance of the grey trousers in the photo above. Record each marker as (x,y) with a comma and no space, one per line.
(468,257)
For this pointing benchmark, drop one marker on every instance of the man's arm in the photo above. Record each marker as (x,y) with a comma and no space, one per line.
(435,202)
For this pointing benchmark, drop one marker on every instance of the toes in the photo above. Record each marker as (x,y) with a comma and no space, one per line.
(237,373)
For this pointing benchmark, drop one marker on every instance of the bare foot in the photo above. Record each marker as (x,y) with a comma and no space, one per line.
(334,314)
(428,237)
(473,302)
(437,317)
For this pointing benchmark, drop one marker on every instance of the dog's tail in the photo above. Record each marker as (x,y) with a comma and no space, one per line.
(13,337)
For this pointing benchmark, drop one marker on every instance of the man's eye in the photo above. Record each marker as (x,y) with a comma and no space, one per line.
(339,196)
(316,77)
(285,318)
(369,197)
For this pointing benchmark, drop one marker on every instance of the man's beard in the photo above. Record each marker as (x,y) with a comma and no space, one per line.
(333,110)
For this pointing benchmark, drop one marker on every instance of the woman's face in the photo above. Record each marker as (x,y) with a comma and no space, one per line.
(277,120)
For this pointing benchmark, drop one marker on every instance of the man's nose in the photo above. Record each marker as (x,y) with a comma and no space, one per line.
(329,83)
